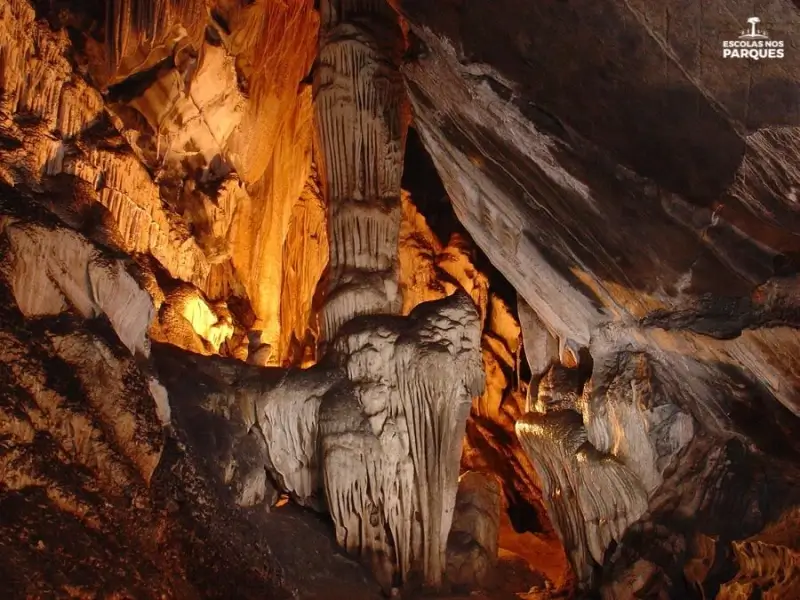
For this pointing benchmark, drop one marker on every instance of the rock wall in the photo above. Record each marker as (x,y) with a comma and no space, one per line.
(157,123)
(613,184)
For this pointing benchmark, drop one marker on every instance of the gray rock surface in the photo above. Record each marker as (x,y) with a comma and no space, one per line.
(474,536)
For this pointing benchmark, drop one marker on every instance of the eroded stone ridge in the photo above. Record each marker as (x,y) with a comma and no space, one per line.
(52,270)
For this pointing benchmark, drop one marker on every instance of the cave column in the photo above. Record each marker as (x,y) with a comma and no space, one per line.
(361,120)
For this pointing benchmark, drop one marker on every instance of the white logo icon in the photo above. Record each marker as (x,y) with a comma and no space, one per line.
(754,33)
(753,44)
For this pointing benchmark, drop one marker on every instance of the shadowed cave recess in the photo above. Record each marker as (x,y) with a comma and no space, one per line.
(357,299)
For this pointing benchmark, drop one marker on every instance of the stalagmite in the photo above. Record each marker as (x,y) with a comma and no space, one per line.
(391,436)
(287,415)
(361,122)
(473,542)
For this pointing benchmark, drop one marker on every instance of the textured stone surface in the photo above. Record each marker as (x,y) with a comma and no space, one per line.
(51,270)
(361,120)
(156,123)
(638,192)
(473,541)
(391,436)
(429,270)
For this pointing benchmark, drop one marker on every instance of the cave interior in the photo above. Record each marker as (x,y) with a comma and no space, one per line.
(362,299)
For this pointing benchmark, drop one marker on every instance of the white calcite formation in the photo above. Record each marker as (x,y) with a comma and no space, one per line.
(636,410)
(601,447)
(377,426)
(361,123)
(256,426)
(591,497)
(288,414)
(52,270)
(391,435)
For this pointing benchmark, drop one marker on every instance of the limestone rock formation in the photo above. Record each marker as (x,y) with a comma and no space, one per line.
(610,329)
(391,435)
(257,427)
(768,563)
(592,498)
(305,255)
(97,496)
(53,269)
(155,122)
(473,541)
(541,346)
(202,91)
(378,424)
(39,80)
(361,121)
(663,274)
(187,319)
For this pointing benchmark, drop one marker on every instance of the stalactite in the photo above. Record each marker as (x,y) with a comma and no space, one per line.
(134,23)
(361,123)
(541,347)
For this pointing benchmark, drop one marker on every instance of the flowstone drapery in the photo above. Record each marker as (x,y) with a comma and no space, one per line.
(378,425)
(591,497)
(391,435)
